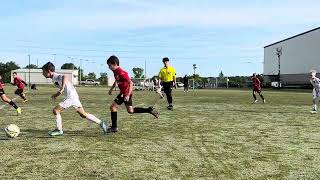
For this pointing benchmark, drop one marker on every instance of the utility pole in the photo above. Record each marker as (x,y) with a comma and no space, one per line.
(80,71)
(279,53)
(194,73)
(29,71)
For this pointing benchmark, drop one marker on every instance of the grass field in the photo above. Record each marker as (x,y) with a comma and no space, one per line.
(211,134)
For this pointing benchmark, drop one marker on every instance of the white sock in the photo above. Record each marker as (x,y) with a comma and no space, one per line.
(59,122)
(315,107)
(92,118)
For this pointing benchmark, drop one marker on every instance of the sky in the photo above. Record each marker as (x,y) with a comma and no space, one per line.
(226,36)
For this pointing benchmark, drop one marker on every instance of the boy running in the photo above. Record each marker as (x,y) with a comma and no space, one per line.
(316,90)
(167,76)
(71,100)
(256,88)
(125,85)
(4,98)
(17,81)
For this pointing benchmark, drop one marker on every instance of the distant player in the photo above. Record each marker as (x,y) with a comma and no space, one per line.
(167,76)
(4,98)
(17,81)
(125,85)
(256,88)
(316,90)
(71,100)
(186,83)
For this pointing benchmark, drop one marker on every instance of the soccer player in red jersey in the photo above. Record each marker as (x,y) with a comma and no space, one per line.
(256,88)
(17,81)
(4,98)
(125,85)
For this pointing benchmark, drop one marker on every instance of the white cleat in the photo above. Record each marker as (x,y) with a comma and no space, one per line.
(254,102)
(264,101)
(313,112)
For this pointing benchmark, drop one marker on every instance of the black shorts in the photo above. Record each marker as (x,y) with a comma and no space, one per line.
(120,100)
(2,92)
(167,87)
(18,91)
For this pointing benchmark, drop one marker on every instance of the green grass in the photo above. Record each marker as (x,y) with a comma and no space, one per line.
(216,134)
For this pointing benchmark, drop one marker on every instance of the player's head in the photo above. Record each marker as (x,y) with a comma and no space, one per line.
(254,75)
(113,63)
(14,74)
(165,61)
(48,69)
(313,73)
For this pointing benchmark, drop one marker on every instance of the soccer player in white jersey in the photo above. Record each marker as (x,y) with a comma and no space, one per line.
(71,100)
(316,90)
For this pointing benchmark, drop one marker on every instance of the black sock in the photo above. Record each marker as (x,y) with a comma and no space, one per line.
(13,104)
(114,119)
(254,96)
(141,110)
(22,96)
(169,98)
(261,96)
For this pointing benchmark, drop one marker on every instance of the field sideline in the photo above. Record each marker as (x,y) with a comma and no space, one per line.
(211,134)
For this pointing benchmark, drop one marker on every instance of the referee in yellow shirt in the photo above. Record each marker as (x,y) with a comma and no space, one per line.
(167,76)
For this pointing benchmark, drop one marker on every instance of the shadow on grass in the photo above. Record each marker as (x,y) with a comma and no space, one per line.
(43,133)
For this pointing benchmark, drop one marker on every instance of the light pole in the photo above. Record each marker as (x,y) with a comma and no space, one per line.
(279,53)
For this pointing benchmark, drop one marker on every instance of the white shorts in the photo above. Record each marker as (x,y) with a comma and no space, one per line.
(68,102)
(316,94)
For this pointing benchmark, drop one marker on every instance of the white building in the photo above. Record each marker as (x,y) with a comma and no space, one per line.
(36,76)
(300,54)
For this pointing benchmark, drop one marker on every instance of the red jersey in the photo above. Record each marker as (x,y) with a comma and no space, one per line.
(19,82)
(1,84)
(256,84)
(123,80)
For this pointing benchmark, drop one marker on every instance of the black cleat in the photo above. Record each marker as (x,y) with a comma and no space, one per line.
(112,130)
(170,107)
(154,112)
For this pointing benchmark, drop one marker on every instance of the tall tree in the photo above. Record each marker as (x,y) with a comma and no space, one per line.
(6,68)
(91,75)
(103,78)
(138,72)
(68,66)
(32,66)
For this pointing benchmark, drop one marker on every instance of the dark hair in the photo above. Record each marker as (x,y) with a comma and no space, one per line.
(113,60)
(14,73)
(165,59)
(48,67)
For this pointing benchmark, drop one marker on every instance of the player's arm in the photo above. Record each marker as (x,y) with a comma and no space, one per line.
(13,83)
(112,87)
(175,79)
(24,82)
(159,79)
(127,97)
(64,81)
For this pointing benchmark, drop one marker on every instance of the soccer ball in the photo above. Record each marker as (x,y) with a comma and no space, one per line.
(12,131)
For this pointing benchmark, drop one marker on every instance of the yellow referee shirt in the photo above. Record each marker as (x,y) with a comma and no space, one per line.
(166,74)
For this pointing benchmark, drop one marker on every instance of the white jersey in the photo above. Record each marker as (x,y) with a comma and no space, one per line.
(316,87)
(69,90)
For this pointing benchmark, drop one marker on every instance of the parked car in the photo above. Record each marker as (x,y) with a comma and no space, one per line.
(90,82)
(180,84)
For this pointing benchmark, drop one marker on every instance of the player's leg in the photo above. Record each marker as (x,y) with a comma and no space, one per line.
(114,117)
(139,110)
(168,91)
(20,93)
(254,96)
(57,113)
(4,98)
(260,94)
(92,118)
(315,101)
